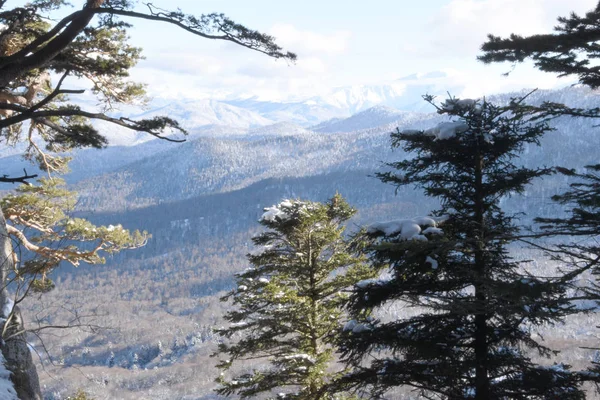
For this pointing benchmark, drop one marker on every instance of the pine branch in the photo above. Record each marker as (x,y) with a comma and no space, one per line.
(12,70)
(45,48)
(566,52)
(56,92)
(205,24)
(153,126)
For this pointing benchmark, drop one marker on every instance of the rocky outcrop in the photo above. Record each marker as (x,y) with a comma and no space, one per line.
(14,346)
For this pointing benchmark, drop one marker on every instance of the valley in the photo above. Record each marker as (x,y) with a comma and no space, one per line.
(148,330)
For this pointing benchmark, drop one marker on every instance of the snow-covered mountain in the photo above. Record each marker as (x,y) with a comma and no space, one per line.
(305,113)
(404,94)
(236,117)
(195,114)
(370,118)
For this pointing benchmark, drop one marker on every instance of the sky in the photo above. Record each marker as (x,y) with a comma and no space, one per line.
(344,43)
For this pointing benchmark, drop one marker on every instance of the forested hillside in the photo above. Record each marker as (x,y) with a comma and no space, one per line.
(157,307)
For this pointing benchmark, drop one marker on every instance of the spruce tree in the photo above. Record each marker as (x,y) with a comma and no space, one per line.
(479,307)
(288,304)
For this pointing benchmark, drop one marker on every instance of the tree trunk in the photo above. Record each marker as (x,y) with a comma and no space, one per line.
(482,384)
(14,348)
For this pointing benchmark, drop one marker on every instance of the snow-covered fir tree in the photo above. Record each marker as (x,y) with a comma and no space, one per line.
(479,307)
(288,306)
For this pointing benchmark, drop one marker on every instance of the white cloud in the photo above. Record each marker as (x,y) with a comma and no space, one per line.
(198,74)
(268,69)
(335,57)
(307,42)
(484,81)
(268,80)
(184,62)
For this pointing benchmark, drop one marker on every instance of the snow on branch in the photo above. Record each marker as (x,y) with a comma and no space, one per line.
(408,229)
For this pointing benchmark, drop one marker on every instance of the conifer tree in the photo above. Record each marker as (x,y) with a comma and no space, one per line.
(38,217)
(572,50)
(578,249)
(288,305)
(479,307)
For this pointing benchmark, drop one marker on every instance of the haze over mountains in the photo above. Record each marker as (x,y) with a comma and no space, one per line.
(237,116)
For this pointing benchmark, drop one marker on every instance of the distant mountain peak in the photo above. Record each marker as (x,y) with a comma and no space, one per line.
(370,118)
(381,109)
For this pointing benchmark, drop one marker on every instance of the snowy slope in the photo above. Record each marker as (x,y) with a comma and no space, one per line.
(370,118)
(194,114)
(7,389)
(402,94)
(305,113)
(279,129)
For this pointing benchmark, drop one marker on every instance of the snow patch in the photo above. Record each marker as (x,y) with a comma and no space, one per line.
(301,356)
(357,327)
(7,389)
(433,231)
(447,130)
(8,307)
(273,213)
(460,104)
(368,282)
(433,262)
(408,229)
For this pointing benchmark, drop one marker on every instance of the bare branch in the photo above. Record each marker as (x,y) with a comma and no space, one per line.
(57,91)
(18,179)
(44,49)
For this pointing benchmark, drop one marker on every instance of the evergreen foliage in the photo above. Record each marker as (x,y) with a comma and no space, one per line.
(92,50)
(569,51)
(473,336)
(38,217)
(580,254)
(288,305)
